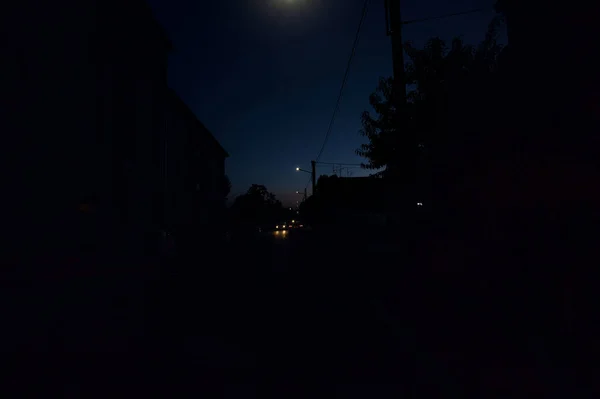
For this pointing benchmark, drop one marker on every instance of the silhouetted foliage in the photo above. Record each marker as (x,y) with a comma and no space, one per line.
(256,207)
(438,78)
(378,130)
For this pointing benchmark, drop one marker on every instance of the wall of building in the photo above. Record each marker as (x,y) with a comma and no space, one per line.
(48,121)
(210,174)
(195,167)
(178,199)
(61,128)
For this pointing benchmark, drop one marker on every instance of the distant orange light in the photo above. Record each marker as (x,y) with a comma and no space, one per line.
(85,207)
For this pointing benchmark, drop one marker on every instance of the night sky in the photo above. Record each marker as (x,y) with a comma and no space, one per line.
(264,75)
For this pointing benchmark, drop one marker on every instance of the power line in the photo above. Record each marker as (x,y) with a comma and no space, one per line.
(340,163)
(344,80)
(337,104)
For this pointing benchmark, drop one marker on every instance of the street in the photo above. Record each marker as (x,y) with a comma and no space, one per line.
(301,304)
(304,309)
(336,307)
(301,310)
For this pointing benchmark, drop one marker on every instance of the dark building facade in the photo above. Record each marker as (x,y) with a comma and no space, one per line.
(193,170)
(83,85)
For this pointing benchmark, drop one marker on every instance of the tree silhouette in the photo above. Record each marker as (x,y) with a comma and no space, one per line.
(256,207)
(444,82)
(378,130)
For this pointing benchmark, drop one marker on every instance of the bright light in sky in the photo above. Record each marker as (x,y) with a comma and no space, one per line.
(292,18)
(288,8)
(287,4)
(291,2)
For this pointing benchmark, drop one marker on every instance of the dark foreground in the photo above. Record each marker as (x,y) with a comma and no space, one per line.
(329,311)
(296,310)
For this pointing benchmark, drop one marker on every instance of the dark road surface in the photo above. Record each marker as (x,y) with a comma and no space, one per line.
(348,310)
(300,305)
(305,309)
(327,311)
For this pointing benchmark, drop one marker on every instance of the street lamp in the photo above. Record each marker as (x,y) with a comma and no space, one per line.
(303,194)
(312,175)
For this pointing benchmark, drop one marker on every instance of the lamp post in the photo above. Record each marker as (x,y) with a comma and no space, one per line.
(312,173)
(304,197)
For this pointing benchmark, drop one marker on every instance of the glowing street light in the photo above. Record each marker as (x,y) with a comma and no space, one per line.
(303,170)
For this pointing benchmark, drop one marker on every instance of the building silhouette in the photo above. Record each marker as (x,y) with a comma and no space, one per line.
(193,171)
(86,114)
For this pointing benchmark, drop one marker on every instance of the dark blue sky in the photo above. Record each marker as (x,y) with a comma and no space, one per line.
(263,75)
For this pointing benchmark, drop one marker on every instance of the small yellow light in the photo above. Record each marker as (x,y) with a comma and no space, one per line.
(276,227)
(86,207)
(293,221)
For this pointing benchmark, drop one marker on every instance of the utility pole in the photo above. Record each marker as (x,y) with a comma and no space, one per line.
(394,30)
(396,167)
(305,196)
(314,176)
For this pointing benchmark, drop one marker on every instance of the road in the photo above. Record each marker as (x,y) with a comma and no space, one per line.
(336,307)
(302,305)
(301,312)
(295,312)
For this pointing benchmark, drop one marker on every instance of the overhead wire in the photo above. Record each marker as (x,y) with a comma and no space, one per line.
(345,79)
(348,65)
(340,163)
(365,8)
